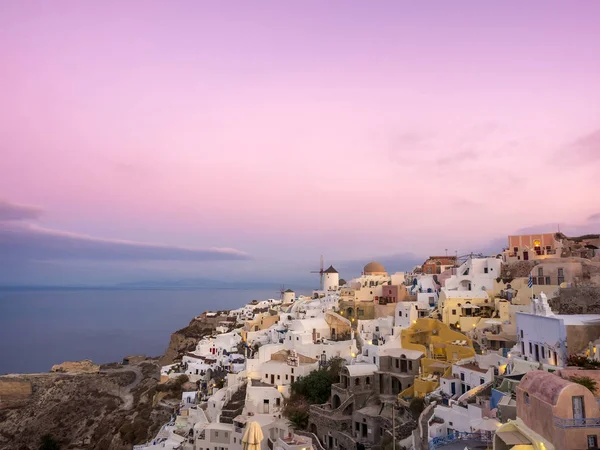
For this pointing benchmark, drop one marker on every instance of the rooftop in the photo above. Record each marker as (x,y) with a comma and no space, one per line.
(473,367)
(358,370)
(543,385)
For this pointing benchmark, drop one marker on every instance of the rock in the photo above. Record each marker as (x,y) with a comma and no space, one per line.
(85,366)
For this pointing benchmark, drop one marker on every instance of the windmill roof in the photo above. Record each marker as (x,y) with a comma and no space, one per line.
(330,270)
(289,290)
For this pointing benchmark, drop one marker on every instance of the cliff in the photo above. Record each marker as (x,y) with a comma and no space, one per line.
(85,406)
(185,340)
(110,409)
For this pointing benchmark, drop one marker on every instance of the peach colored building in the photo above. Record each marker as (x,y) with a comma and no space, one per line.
(532,246)
(562,412)
(395,293)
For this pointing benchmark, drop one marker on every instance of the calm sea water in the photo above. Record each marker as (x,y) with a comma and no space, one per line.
(39,328)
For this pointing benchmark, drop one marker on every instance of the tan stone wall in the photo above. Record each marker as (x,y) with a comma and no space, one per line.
(579,336)
(14,390)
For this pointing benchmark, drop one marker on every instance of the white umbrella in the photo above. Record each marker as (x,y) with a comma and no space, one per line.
(253,436)
(485,424)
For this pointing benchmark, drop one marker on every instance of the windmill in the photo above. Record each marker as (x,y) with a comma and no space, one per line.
(281,291)
(320,272)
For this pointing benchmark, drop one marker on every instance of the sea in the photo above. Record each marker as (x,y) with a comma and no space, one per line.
(43,327)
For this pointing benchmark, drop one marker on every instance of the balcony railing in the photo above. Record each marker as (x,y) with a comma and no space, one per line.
(591,422)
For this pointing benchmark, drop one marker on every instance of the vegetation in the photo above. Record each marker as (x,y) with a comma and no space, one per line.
(588,382)
(47,442)
(416,407)
(582,361)
(315,388)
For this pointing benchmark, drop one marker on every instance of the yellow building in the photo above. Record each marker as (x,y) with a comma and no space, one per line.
(260,322)
(441,346)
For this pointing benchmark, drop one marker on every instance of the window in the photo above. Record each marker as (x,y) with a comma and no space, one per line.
(399,313)
(453,312)
(543,352)
(540,271)
(286,376)
(278,377)
(216,434)
(481,381)
(450,424)
(226,434)
(548,281)
(485,270)
(292,370)
(409,365)
(530,348)
(368,380)
(373,360)
(592,441)
(526,396)
(521,334)
(541,281)
(462,376)
(266,375)
(561,275)
(397,363)
(534,280)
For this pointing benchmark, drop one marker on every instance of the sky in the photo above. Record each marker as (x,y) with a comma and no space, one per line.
(241,140)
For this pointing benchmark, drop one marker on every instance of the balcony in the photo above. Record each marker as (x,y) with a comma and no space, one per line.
(592,422)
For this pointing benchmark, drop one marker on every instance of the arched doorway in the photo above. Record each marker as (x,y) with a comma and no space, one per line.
(350,312)
(335,401)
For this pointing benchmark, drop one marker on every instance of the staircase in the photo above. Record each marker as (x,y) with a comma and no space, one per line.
(234,406)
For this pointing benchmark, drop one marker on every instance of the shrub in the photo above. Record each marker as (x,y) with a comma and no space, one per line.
(588,382)
(47,442)
(416,407)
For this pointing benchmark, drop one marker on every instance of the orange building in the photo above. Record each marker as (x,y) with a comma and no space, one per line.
(532,246)
(437,264)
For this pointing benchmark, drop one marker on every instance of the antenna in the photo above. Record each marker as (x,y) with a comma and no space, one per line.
(320,272)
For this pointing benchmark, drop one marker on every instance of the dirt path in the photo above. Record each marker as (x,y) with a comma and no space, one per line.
(124,392)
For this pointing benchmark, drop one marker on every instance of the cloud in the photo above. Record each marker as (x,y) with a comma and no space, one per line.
(15,211)
(584,150)
(594,218)
(457,158)
(25,241)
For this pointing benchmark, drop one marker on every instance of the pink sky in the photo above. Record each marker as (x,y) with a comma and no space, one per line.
(289,130)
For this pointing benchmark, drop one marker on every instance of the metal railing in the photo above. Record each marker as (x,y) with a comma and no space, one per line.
(591,422)
(441,441)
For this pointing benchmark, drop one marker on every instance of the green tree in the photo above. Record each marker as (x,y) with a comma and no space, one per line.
(588,382)
(47,442)
(416,407)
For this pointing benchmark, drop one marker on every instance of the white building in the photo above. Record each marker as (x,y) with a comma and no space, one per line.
(285,367)
(465,376)
(331,279)
(407,313)
(475,274)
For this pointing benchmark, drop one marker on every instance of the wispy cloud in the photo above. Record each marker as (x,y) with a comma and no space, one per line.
(16,211)
(594,218)
(584,150)
(27,241)
(21,240)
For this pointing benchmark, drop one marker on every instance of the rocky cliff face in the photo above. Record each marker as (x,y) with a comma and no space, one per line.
(108,410)
(185,340)
(85,406)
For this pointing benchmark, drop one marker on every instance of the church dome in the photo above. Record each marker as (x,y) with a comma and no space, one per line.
(374,268)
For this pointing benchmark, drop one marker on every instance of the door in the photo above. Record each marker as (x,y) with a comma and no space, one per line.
(578,409)
(526,256)
(272,379)
(453,384)
(537,352)
(266,406)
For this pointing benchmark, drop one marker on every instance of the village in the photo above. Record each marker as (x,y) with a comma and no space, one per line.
(478,351)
